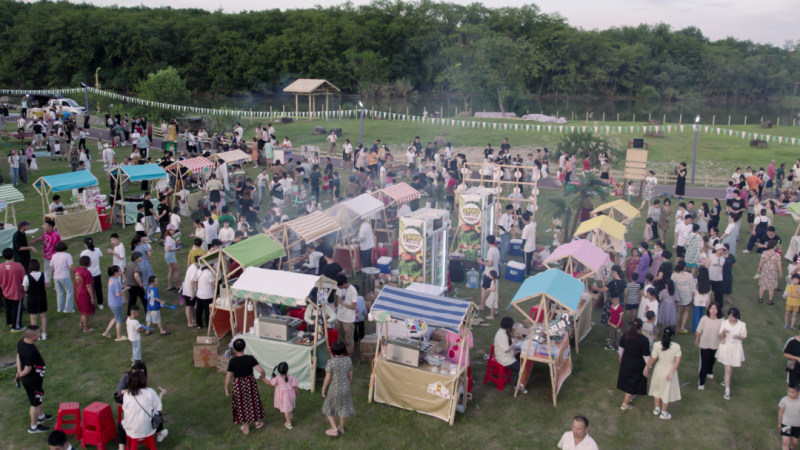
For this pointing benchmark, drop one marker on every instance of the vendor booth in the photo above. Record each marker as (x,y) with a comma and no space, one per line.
(306,229)
(122,210)
(423,247)
(556,298)
(393,197)
(411,370)
(274,338)
(582,260)
(349,214)
(186,168)
(228,263)
(477,211)
(619,210)
(232,157)
(605,232)
(79,218)
(8,196)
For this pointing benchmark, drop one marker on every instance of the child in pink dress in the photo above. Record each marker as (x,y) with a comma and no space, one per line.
(285,391)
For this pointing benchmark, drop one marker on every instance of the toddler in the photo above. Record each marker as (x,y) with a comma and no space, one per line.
(134,328)
(154,304)
(614,324)
(285,391)
(650,329)
(492,298)
(792,301)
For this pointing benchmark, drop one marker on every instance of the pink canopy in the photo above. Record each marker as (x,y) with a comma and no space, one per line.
(582,251)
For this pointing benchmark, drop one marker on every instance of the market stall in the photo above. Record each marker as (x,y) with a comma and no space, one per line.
(408,371)
(393,197)
(8,196)
(556,297)
(227,264)
(78,218)
(619,210)
(132,173)
(582,260)
(423,247)
(186,168)
(232,157)
(305,229)
(274,338)
(603,232)
(349,214)
(477,211)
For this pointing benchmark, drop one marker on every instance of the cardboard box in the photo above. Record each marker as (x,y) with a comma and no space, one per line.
(205,351)
(367,347)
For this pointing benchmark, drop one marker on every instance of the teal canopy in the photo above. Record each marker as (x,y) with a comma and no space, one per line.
(554,283)
(140,172)
(66,181)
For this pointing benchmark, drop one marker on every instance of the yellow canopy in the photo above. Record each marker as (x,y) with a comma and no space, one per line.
(613,230)
(625,210)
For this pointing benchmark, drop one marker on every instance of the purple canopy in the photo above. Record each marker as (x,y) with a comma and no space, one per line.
(582,251)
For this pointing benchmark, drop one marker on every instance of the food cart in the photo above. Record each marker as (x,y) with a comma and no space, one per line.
(183,168)
(227,264)
(8,196)
(132,173)
(619,210)
(393,197)
(305,229)
(423,247)
(558,296)
(606,233)
(582,260)
(476,219)
(399,378)
(273,338)
(77,219)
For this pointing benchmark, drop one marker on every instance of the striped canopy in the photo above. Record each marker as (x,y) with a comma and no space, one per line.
(10,194)
(195,165)
(313,226)
(401,193)
(437,311)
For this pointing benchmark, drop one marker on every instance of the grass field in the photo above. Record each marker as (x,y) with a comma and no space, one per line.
(86,368)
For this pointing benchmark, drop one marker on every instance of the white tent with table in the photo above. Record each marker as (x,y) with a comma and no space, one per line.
(307,228)
(232,157)
(76,219)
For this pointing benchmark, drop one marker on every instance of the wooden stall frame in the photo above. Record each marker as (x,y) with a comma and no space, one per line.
(119,178)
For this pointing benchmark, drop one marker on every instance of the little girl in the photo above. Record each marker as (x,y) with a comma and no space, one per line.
(792,300)
(491,300)
(34,167)
(285,391)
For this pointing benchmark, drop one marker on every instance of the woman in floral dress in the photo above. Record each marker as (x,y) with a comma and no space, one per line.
(650,183)
(769,270)
(339,400)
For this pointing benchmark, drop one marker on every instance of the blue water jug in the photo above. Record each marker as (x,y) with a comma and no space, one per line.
(473,279)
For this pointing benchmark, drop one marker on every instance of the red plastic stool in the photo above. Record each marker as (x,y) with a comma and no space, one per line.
(133,443)
(496,372)
(332,336)
(378,252)
(98,425)
(69,414)
(536,315)
(105,221)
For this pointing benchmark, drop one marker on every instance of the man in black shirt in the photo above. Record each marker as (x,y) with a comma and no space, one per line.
(762,241)
(314,180)
(162,214)
(488,151)
(505,146)
(22,251)
(150,223)
(30,373)
(736,206)
(416,184)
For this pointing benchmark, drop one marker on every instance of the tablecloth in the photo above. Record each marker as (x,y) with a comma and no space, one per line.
(80,223)
(130,210)
(7,236)
(269,353)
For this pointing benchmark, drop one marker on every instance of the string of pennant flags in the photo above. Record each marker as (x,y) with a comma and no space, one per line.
(384,115)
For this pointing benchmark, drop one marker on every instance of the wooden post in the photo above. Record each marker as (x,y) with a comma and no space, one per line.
(664,119)
(587,116)
(745,120)
(296,106)
(327,97)
(634,117)
(714,119)
(649,117)
(762,120)
(617,117)
(779,122)
(456,111)
(680,119)
(729,120)
(604,116)
(441,112)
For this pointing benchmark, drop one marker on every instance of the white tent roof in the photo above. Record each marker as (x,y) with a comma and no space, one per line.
(233,156)
(274,286)
(313,226)
(364,205)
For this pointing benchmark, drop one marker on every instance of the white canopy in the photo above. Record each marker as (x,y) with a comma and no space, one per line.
(275,286)
(232,157)
(364,205)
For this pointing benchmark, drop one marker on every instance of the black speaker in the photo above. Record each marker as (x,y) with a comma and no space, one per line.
(638,143)
(457,272)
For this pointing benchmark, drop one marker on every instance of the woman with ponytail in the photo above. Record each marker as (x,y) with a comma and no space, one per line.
(664,385)
(285,391)
(244,396)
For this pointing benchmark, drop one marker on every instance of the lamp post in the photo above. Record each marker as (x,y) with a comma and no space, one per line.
(361,132)
(694,147)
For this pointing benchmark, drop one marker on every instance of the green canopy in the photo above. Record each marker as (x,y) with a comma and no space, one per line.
(255,251)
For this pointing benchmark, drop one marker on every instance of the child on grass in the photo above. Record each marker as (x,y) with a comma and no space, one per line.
(631,192)
(789,417)
(115,290)
(792,301)
(650,328)
(649,303)
(492,298)
(285,391)
(633,295)
(154,306)
(614,324)
(134,327)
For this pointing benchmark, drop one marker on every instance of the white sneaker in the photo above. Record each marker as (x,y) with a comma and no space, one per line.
(101,306)
(44,336)
(701,387)
(163,435)
(710,376)
(727,394)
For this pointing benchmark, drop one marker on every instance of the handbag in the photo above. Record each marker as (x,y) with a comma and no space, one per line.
(156,419)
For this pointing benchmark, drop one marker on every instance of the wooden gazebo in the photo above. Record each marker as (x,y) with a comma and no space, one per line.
(312,88)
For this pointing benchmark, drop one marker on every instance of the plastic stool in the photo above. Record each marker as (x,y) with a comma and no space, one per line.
(535,314)
(378,252)
(133,443)
(496,372)
(69,414)
(98,425)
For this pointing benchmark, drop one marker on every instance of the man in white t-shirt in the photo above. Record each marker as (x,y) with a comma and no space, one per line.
(117,252)
(331,143)
(108,156)
(189,291)
(367,242)
(262,181)
(346,313)
(528,241)
(682,231)
(491,263)
(578,437)
(505,225)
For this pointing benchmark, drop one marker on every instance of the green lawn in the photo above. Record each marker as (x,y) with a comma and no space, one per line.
(86,368)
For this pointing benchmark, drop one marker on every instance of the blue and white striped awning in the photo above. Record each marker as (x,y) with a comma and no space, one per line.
(435,310)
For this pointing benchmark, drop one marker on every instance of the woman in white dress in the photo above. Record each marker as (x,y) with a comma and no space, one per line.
(730,352)
(664,385)
(650,183)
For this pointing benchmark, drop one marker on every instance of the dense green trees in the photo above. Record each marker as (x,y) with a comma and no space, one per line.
(505,53)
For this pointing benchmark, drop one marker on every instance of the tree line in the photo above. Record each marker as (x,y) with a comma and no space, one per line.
(386,47)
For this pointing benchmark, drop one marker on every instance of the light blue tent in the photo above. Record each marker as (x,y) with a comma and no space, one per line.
(139,172)
(62,182)
(556,285)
